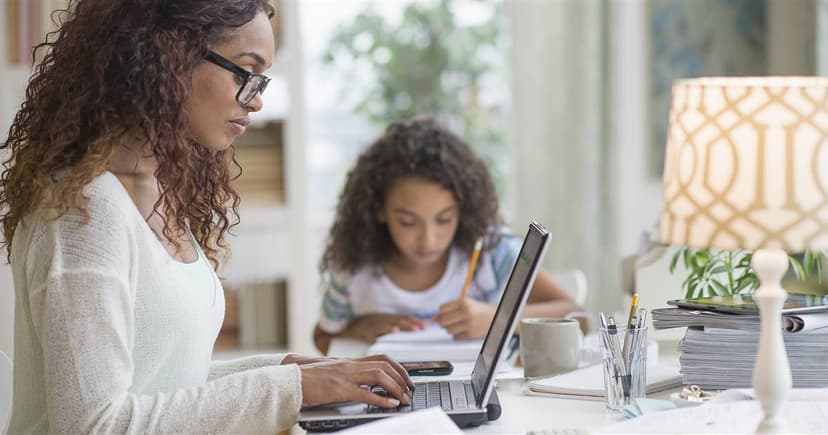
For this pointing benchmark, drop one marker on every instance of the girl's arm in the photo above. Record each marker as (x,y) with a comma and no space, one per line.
(367,328)
(337,317)
(468,318)
(549,300)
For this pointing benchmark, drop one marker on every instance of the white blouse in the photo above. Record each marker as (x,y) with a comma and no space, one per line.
(114,335)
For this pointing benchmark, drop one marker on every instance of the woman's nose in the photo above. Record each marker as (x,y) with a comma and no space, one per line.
(255,104)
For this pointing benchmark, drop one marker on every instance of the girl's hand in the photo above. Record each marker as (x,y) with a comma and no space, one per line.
(336,380)
(371,326)
(466,318)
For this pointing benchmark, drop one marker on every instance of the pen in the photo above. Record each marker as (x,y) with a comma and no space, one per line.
(629,340)
(615,349)
(643,316)
(478,245)
(630,324)
(641,323)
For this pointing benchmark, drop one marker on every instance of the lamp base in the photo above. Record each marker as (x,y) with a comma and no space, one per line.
(772,373)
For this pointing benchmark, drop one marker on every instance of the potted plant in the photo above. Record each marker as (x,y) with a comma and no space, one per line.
(719,273)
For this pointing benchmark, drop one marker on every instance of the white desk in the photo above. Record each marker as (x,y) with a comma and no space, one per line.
(520,412)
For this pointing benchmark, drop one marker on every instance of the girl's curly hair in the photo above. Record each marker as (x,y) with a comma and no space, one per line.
(415,148)
(116,69)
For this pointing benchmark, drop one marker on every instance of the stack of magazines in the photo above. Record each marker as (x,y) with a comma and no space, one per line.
(719,349)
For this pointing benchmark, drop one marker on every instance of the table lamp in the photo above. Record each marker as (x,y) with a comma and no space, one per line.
(746,167)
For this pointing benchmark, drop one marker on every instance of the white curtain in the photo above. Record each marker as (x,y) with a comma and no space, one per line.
(563,169)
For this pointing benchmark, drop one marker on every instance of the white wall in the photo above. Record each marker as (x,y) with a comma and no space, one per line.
(6,310)
(639,192)
(6,288)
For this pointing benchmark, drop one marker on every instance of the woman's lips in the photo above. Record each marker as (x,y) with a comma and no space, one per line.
(239,125)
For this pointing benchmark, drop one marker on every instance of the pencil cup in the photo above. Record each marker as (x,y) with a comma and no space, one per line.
(625,365)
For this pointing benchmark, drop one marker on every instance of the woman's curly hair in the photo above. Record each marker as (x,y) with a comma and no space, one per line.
(415,148)
(119,69)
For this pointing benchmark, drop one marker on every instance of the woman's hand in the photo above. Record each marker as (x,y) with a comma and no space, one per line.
(293,358)
(336,380)
(371,326)
(465,318)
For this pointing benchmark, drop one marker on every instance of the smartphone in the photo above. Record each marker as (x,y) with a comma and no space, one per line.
(428,368)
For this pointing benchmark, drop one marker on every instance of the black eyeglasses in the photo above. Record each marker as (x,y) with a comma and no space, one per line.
(251,85)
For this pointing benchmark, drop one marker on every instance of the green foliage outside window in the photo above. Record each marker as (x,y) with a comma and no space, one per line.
(426,64)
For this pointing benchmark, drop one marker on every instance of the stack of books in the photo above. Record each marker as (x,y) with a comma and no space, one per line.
(719,349)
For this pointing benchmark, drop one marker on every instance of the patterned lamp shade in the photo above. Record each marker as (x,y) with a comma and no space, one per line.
(747,164)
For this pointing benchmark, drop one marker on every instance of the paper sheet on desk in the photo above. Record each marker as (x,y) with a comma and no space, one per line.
(430,344)
(588,383)
(796,395)
(721,418)
(428,421)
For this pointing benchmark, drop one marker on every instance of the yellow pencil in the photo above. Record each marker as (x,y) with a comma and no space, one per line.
(633,309)
(478,245)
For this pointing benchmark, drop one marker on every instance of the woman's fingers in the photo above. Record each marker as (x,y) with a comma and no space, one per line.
(366,396)
(397,367)
(378,376)
(399,386)
(333,381)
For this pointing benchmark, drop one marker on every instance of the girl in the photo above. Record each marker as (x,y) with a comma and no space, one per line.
(400,245)
(113,205)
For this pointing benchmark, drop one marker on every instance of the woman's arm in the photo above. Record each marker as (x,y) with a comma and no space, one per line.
(82,308)
(222,368)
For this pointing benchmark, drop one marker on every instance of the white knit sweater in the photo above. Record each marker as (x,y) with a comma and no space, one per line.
(113,335)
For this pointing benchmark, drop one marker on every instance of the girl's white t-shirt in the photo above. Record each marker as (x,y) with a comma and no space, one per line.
(371,291)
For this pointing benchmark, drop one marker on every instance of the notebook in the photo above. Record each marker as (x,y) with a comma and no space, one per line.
(430,344)
(588,383)
(466,401)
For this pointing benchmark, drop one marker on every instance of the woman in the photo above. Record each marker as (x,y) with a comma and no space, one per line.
(114,210)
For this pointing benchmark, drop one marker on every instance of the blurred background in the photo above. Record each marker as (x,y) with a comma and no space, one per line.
(567,100)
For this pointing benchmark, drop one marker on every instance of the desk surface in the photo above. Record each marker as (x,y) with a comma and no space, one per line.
(521,413)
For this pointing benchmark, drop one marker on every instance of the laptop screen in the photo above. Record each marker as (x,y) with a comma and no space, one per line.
(511,303)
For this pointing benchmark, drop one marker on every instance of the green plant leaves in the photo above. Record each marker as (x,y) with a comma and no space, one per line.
(712,273)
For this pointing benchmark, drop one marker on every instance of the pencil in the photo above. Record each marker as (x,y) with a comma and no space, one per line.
(633,309)
(478,245)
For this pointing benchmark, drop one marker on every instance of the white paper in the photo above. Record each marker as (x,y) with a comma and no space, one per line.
(797,395)
(717,359)
(720,418)
(431,421)
(589,381)
(430,344)
(433,333)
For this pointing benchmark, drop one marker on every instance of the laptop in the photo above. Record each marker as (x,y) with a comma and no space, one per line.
(467,402)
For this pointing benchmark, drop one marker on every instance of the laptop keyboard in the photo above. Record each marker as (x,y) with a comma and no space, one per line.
(448,395)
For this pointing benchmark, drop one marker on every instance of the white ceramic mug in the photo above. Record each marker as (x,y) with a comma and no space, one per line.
(549,346)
